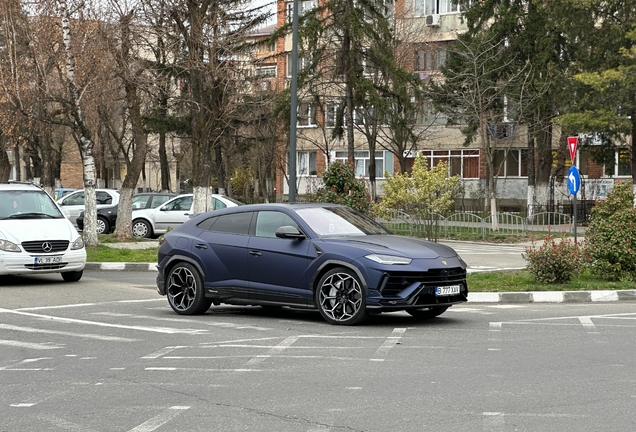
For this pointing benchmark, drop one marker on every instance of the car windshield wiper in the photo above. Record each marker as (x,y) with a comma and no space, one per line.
(31,216)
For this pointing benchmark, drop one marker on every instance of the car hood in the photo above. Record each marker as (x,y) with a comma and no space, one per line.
(21,230)
(398,245)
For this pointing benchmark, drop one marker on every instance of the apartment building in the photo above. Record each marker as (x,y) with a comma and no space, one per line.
(428,28)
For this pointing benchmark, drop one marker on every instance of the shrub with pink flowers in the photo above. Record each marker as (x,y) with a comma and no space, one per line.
(556,260)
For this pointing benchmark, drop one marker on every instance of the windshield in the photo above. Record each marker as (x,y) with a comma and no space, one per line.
(339,221)
(28,205)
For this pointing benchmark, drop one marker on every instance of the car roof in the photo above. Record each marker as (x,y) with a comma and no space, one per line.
(155,193)
(13,186)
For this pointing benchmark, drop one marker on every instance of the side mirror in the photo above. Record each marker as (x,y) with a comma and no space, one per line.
(289,231)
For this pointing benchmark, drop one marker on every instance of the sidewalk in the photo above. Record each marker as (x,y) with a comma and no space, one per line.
(477,297)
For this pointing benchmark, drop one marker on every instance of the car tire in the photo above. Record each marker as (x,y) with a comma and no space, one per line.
(141,228)
(427,313)
(72,276)
(341,298)
(103,227)
(184,289)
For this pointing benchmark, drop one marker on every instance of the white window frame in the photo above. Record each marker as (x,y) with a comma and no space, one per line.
(306,163)
(308,120)
(383,162)
(265,71)
(304,6)
(465,154)
(434,7)
(302,63)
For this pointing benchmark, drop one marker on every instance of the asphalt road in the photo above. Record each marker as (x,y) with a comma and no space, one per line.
(108,354)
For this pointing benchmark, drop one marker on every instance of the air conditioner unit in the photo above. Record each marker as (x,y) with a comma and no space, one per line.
(432,20)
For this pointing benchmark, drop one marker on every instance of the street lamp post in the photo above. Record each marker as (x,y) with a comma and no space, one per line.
(293,105)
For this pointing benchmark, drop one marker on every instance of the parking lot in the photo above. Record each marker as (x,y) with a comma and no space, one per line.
(110,355)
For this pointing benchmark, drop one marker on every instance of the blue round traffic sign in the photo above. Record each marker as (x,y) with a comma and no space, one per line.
(574,180)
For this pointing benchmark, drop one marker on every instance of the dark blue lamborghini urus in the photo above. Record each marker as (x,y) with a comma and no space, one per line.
(316,256)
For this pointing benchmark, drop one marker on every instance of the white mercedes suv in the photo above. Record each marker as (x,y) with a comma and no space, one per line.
(35,237)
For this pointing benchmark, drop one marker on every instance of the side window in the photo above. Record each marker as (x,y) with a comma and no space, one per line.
(139,202)
(180,204)
(236,223)
(158,200)
(217,204)
(104,198)
(75,199)
(206,225)
(269,221)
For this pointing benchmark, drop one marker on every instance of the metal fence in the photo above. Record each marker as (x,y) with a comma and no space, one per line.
(435,226)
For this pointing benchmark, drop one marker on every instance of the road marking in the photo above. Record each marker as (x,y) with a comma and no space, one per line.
(57,307)
(164,330)
(274,350)
(587,322)
(162,352)
(160,420)
(32,360)
(171,369)
(30,345)
(22,405)
(493,421)
(63,333)
(389,343)
(65,424)
(184,320)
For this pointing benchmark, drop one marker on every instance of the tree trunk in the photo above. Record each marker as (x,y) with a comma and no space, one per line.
(82,135)
(140,147)
(531,174)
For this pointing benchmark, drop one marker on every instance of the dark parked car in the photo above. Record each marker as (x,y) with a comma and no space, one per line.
(106,219)
(316,256)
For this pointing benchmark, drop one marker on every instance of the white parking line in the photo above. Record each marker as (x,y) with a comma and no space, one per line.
(164,330)
(30,345)
(65,424)
(274,350)
(63,333)
(493,422)
(160,420)
(389,343)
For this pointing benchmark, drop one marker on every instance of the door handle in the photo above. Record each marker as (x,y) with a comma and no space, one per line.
(201,246)
(255,253)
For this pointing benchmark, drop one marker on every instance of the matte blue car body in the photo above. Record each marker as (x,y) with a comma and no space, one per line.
(284,271)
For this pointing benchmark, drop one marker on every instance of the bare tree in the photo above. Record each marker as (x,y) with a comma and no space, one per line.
(478,87)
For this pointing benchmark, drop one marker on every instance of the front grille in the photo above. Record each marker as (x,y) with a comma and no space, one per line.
(395,282)
(42,246)
(55,266)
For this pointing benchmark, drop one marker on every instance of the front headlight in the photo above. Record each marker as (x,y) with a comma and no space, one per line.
(389,259)
(8,246)
(78,243)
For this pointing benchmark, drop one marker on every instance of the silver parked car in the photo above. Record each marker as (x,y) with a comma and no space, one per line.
(154,222)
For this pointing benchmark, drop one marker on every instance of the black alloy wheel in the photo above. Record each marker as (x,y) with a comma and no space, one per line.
(184,289)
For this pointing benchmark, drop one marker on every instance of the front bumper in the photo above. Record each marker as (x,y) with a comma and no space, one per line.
(13,263)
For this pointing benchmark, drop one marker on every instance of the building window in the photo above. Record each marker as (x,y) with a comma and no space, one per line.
(463,163)
(306,163)
(435,7)
(430,57)
(331,111)
(265,72)
(302,63)
(511,163)
(428,116)
(306,114)
(622,164)
(303,8)
(383,161)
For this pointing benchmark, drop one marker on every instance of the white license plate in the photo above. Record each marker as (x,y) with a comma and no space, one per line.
(47,259)
(447,290)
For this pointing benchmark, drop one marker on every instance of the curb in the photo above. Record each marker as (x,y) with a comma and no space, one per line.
(553,296)
(120,266)
(599,296)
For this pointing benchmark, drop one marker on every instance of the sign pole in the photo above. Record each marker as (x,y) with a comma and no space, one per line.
(574,179)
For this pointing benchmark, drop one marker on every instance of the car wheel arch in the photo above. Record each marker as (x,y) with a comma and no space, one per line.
(331,264)
(176,259)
